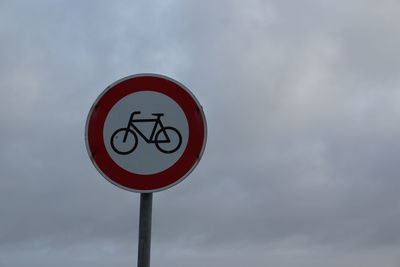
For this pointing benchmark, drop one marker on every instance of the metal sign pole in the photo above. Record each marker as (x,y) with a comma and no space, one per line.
(146,201)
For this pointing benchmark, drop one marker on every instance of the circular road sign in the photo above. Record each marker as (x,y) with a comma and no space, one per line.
(145,133)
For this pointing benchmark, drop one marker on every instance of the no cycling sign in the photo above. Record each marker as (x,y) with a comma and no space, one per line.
(145,133)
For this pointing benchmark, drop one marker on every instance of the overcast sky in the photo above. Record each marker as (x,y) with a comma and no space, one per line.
(302,102)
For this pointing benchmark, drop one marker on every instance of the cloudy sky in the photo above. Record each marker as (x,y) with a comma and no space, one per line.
(302,103)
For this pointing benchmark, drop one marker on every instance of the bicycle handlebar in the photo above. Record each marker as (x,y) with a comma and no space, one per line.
(133,114)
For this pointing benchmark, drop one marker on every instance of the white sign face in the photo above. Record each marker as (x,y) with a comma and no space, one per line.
(145,132)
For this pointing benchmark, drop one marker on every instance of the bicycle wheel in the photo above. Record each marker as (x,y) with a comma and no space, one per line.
(124,147)
(169,141)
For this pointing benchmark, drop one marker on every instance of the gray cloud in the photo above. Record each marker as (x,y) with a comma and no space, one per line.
(301,164)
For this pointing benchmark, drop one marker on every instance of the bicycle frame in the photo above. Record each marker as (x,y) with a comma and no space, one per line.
(150,140)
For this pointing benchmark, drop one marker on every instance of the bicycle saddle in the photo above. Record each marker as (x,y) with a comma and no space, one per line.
(158,114)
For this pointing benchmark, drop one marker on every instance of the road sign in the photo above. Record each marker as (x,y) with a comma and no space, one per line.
(145,133)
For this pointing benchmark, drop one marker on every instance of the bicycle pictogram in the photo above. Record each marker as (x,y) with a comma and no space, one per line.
(125,140)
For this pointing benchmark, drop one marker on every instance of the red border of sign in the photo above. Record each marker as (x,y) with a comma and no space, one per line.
(139,182)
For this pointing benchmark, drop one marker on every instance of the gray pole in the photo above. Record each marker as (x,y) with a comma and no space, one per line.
(146,201)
